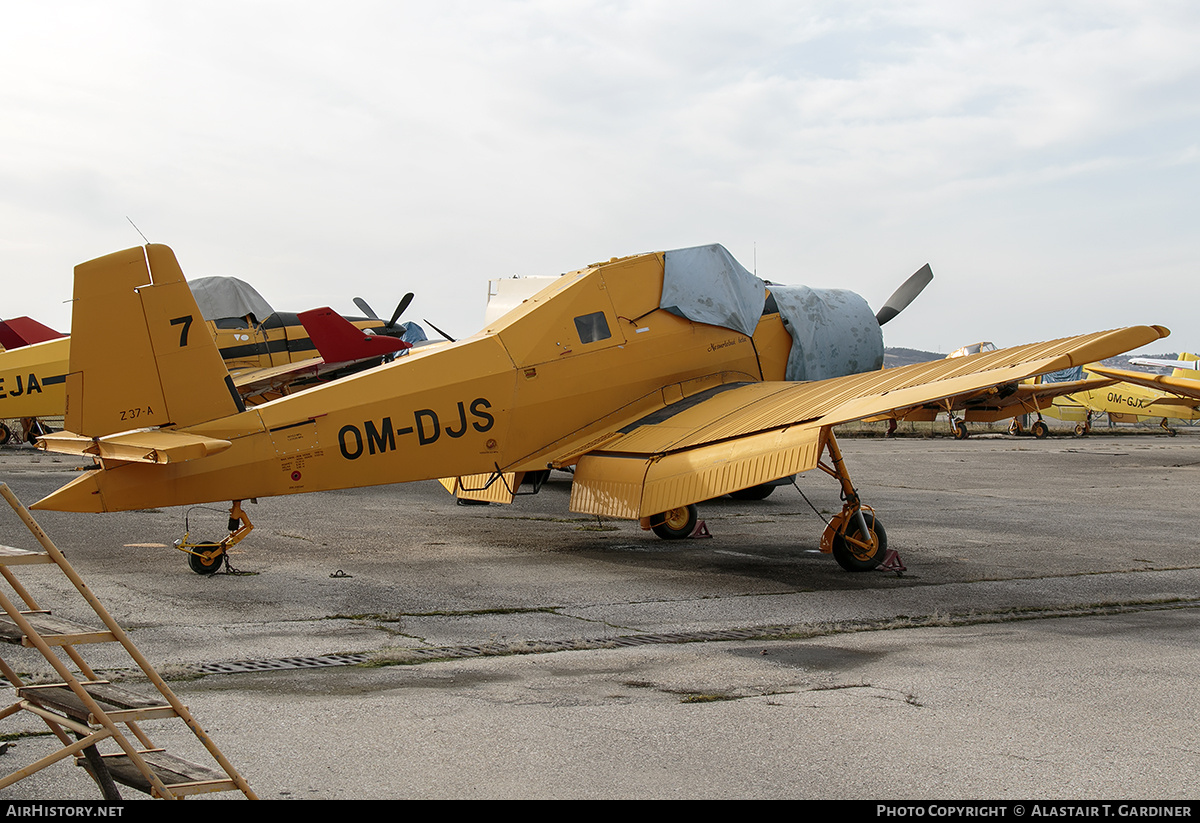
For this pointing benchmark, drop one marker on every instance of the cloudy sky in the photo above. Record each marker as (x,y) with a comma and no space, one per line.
(1042,156)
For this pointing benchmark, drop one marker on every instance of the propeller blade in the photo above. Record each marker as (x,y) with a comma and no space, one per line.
(439,331)
(365,309)
(404,301)
(904,295)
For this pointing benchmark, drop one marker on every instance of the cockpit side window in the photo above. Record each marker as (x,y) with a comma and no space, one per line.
(592,327)
(232,323)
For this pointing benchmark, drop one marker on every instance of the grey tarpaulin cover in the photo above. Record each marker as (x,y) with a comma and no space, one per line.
(834,332)
(1064,375)
(220,297)
(706,285)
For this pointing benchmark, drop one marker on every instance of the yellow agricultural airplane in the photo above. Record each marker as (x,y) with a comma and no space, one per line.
(267,353)
(994,403)
(33,366)
(1142,395)
(664,379)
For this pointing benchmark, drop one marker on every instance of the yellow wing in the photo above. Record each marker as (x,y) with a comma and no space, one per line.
(737,436)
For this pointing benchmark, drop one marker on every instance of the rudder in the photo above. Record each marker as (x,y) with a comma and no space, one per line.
(141,353)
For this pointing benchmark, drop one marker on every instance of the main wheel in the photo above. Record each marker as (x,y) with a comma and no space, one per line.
(854,558)
(1080,430)
(5,434)
(760,492)
(960,431)
(205,565)
(1039,429)
(677,523)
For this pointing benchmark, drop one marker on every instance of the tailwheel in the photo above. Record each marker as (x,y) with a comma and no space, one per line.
(852,552)
(677,523)
(206,558)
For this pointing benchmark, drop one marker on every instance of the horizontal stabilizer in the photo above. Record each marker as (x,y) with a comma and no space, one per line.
(340,341)
(162,446)
(25,331)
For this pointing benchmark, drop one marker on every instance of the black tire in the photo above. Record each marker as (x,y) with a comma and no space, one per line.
(960,431)
(677,523)
(760,492)
(1039,430)
(204,566)
(5,434)
(1080,430)
(850,557)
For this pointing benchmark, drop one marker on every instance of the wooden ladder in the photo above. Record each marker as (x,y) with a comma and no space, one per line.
(82,709)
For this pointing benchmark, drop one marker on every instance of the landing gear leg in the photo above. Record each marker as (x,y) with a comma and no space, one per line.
(1163,425)
(855,536)
(207,558)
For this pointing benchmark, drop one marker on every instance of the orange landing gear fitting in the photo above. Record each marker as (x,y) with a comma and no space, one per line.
(855,536)
(206,558)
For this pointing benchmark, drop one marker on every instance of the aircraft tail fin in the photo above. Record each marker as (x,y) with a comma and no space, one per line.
(25,331)
(141,354)
(340,341)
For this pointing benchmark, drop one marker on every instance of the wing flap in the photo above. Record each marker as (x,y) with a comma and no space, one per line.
(633,487)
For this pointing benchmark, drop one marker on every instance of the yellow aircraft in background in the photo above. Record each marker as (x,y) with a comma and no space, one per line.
(1144,396)
(664,379)
(33,366)
(994,403)
(267,353)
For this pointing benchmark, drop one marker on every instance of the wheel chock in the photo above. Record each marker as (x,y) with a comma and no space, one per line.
(701,530)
